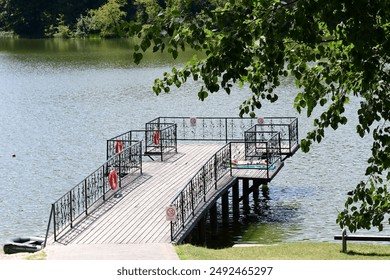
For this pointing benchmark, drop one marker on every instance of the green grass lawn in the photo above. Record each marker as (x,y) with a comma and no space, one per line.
(288,251)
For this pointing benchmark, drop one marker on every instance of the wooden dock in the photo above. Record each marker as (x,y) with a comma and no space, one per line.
(189,176)
(136,214)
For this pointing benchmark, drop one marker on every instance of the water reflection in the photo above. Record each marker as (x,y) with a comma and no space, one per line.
(274,216)
(83,53)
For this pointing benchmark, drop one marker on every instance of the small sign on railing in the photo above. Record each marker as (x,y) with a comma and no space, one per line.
(171,214)
(193,121)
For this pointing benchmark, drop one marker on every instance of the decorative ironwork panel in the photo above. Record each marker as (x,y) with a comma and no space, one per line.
(222,161)
(198,188)
(169,138)
(274,149)
(94,186)
(187,203)
(175,226)
(117,143)
(62,215)
(294,131)
(78,200)
(209,174)
(237,151)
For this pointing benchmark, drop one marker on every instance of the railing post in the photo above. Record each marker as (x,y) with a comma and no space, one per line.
(120,169)
(107,149)
(161,143)
(70,209)
(182,209)
(140,156)
(204,184)
(48,227)
(215,172)
(230,159)
(289,138)
(53,209)
(226,130)
(268,159)
(175,136)
(85,197)
(192,199)
(171,231)
(280,146)
(104,181)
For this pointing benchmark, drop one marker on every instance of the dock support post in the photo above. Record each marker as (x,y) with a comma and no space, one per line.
(255,188)
(245,194)
(214,218)
(236,201)
(202,231)
(265,191)
(225,208)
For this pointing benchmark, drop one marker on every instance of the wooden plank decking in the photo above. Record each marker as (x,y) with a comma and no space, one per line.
(136,214)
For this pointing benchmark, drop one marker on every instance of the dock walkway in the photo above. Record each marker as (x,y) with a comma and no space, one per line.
(136,213)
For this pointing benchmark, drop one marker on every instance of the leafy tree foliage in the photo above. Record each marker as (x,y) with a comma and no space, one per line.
(108,18)
(27,18)
(335,50)
(66,18)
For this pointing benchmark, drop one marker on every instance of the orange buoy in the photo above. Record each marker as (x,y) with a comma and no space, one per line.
(156,137)
(118,146)
(113,179)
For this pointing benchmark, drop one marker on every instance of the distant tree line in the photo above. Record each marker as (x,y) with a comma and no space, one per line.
(85,18)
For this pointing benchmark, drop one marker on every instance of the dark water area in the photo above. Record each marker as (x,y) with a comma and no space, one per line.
(60,100)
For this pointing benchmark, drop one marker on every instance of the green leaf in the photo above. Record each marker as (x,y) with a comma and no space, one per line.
(137,57)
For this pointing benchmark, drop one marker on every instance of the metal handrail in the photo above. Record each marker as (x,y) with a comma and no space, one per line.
(94,188)
(230,129)
(195,191)
(167,139)
(198,187)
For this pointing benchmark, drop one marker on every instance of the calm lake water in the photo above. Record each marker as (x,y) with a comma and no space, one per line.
(61,99)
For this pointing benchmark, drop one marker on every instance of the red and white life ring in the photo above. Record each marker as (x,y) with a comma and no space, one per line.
(113,179)
(118,146)
(156,137)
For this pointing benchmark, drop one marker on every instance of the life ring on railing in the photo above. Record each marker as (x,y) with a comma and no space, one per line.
(118,146)
(113,179)
(156,137)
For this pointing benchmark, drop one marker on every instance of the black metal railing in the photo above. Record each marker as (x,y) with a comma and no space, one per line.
(195,191)
(76,203)
(260,155)
(231,129)
(288,133)
(160,138)
(157,138)
(258,149)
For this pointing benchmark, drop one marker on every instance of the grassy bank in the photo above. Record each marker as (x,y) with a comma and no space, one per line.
(288,251)
(41,255)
